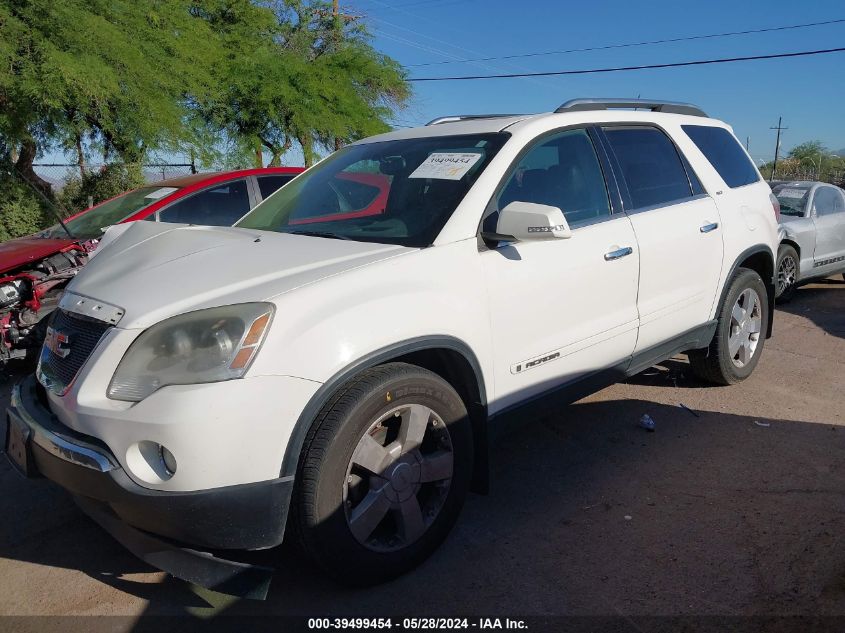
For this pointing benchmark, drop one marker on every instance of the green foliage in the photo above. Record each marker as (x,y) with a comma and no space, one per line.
(303,81)
(810,160)
(116,71)
(128,77)
(110,181)
(21,210)
(808,151)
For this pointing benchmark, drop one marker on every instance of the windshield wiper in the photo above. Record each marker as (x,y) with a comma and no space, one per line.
(333,236)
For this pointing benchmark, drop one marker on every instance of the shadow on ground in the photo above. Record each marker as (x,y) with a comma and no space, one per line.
(821,302)
(588,514)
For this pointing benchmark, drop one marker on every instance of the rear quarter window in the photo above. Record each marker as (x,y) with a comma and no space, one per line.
(725,154)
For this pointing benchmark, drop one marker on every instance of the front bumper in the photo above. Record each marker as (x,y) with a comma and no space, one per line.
(248,516)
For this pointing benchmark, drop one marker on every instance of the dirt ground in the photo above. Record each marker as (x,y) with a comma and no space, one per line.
(737,510)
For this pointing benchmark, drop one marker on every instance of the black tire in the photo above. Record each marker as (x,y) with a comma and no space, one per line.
(714,363)
(785,288)
(319,511)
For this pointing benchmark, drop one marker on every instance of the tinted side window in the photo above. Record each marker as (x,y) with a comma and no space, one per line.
(650,165)
(724,153)
(828,200)
(268,185)
(562,171)
(220,206)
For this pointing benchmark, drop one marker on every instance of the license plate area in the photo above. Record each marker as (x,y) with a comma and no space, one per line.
(19,446)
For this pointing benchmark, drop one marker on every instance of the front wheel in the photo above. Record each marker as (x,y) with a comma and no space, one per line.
(740,333)
(787,268)
(384,472)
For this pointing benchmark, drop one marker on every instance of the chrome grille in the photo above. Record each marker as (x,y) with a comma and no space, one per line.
(56,372)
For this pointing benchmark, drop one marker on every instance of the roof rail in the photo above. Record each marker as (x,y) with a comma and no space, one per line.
(467,117)
(581,105)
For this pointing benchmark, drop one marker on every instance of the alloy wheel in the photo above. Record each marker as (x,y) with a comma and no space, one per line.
(787,271)
(745,327)
(398,478)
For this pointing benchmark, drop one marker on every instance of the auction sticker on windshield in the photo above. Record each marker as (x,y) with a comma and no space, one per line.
(160,193)
(791,193)
(446,165)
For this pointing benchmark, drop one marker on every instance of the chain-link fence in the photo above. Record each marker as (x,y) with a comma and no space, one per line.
(834,176)
(57,174)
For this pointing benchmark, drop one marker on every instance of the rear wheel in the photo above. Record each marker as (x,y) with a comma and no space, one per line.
(740,333)
(788,270)
(384,473)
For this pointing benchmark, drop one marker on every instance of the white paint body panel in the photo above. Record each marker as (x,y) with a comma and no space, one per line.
(679,268)
(560,297)
(339,301)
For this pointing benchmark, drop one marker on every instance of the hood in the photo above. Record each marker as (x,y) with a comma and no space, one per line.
(25,251)
(155,270)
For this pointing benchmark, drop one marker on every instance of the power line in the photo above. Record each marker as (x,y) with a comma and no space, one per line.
(434,3)
(634,44)
(587,71)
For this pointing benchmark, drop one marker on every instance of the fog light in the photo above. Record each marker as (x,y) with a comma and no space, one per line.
(168,460)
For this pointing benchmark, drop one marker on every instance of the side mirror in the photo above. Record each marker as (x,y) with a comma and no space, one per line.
(530,221)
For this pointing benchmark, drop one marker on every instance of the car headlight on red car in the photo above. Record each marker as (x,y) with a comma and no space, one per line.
(209,345)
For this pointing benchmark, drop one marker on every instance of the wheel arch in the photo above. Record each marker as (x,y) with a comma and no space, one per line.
(760,259)
(791,242)
(447,356)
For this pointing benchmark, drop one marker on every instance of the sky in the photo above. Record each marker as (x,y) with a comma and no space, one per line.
(808,92)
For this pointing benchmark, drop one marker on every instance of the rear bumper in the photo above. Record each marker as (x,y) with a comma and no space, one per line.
(248,516)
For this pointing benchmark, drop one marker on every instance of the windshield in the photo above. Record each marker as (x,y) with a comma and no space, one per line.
(90,224)
(792,198)
(394,192)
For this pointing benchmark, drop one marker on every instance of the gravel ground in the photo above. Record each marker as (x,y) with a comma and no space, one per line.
(734,511)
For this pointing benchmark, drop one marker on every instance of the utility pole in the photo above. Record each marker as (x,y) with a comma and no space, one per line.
(336,15)
(747,142)
(339,18)
(777,147)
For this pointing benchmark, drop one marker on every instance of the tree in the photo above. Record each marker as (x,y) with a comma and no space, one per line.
(809,160)
(308,79)
(809,150)
(108,182)
(121,73)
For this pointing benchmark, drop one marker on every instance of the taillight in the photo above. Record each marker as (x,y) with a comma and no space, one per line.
(775,206)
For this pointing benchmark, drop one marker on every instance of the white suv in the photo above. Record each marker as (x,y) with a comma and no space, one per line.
(330,364)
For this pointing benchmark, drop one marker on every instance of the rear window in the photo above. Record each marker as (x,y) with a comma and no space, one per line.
(793,197)
(724,153)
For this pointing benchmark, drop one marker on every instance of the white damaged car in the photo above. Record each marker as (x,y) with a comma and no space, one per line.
(333,372)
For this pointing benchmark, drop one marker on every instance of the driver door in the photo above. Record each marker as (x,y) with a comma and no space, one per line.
(561,309)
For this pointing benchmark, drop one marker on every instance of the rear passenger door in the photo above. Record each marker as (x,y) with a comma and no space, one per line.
(678,232)
(828,211)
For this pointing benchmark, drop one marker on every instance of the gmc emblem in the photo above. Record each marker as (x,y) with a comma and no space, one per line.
(57,342)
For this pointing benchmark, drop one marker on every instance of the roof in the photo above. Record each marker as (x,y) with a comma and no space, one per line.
(514,123)
(192,179)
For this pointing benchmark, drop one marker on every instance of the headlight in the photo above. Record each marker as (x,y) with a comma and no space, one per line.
(203,346)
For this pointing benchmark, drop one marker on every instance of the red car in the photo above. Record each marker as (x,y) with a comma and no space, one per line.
(33,270)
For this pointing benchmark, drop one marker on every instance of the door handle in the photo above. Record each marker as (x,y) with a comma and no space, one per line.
(709,227)
(618,253)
